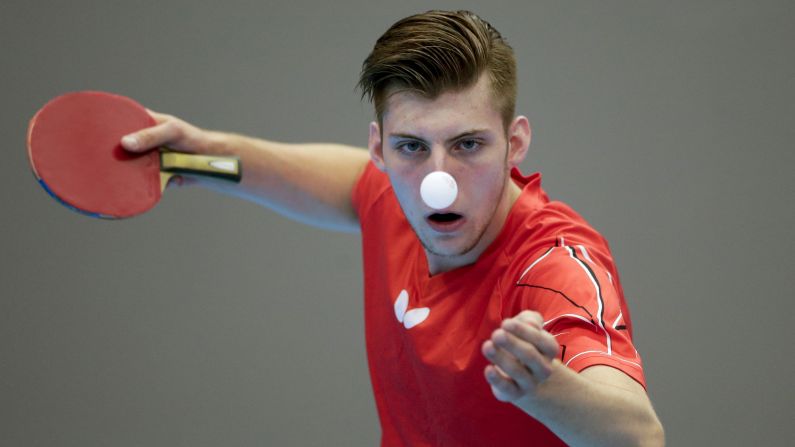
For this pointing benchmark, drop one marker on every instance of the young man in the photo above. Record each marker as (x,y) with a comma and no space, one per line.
(500,296)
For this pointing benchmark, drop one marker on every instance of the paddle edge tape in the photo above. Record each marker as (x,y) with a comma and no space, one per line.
(32,123)
(72,207)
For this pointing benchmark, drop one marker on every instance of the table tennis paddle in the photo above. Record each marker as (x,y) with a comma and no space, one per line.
(75,152)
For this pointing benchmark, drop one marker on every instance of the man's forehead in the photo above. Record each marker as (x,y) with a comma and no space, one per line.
(451,112)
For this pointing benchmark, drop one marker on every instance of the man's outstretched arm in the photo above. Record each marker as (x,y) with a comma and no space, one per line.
(311,183)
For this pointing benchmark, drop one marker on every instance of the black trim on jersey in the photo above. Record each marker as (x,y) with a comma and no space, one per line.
(621,327)
(563,295)
(562,352)
(598,286)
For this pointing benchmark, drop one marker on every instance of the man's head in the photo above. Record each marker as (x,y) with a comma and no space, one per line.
(444,87)
(440,51)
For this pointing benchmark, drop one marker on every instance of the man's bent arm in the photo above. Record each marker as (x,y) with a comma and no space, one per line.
(311,183)
(601,406)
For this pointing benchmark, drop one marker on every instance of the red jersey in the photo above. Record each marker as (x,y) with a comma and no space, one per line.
(424,333)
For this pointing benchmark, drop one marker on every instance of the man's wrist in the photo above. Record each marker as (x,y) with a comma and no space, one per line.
(534,403)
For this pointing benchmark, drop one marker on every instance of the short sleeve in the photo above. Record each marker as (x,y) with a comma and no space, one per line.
(582,308)
(371,184)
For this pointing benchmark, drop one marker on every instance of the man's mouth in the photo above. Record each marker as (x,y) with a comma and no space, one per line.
(444,217)
(445,222)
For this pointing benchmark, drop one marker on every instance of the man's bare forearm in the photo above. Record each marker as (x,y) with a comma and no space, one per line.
(597,407)
(309,182)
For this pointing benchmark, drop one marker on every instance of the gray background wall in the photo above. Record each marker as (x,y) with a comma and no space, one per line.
(211,321)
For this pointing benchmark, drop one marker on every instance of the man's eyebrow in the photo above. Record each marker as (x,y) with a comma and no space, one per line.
(408,136)
(405,136)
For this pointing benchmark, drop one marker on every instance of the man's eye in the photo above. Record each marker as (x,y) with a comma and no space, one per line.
(469,145)
(410,147)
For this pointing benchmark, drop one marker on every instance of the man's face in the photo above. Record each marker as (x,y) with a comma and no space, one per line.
(460,133)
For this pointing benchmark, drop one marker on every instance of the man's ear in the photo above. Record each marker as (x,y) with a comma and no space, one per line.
(519,136)
(375,147)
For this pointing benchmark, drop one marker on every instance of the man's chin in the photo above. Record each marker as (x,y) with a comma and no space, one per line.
(448,248)
(448,245)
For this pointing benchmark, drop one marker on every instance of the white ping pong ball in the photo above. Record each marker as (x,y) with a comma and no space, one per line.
(438,190)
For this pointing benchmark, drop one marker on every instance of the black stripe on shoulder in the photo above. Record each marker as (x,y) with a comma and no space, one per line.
(574,303)
(596,280)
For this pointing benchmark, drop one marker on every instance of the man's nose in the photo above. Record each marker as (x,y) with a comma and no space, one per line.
(439,159)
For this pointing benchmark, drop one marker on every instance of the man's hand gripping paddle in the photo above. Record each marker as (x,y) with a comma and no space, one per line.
(75,151)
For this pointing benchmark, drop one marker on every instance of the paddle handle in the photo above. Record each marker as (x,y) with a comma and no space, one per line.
(226,168)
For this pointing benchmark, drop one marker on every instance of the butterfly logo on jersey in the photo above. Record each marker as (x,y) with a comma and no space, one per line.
(409,317)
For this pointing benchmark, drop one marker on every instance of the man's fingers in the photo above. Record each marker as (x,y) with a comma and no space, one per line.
(541,339)
(510,364)
(152,137)
(159,117)
(181,181)
(524,353)
(532,318)
(503,388)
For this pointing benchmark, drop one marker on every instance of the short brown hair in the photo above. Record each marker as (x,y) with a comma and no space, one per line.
(436,52)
